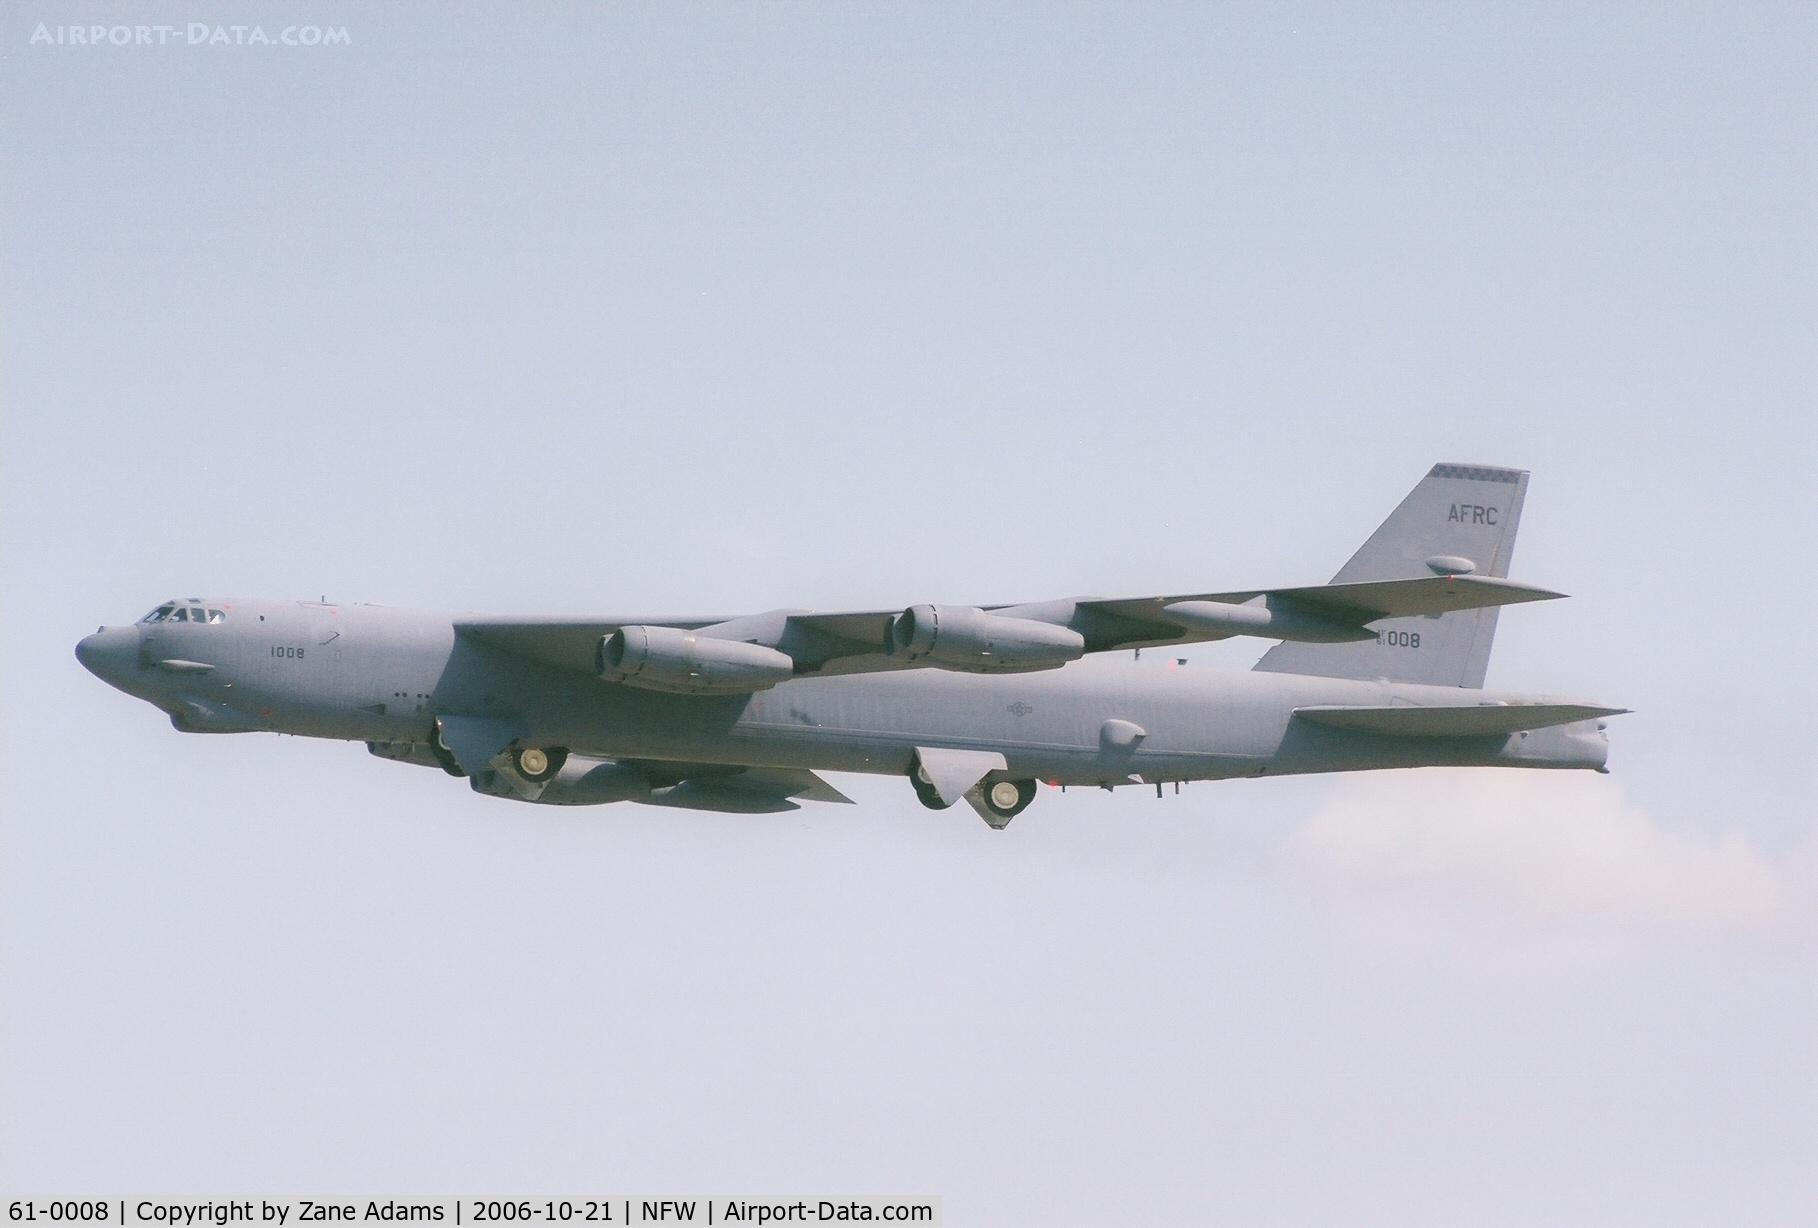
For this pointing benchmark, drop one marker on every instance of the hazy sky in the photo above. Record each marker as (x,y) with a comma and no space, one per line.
(599,308)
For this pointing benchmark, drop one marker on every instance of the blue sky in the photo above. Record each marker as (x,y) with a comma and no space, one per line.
(602,308)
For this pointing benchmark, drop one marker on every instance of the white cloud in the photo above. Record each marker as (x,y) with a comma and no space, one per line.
(1557,846)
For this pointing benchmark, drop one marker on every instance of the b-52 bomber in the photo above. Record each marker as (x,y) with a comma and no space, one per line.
(1381,668)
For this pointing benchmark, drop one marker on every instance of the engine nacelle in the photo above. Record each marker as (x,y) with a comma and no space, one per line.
(963,637)
(685,662)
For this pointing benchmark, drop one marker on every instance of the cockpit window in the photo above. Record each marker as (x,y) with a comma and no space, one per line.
(174,613)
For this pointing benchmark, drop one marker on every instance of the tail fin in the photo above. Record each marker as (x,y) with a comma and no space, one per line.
(1458,513)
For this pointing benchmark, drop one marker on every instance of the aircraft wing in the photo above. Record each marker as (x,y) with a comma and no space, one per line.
(731,789)
(569,643)
(812,640)
(1345,603)
(1318,612)
(749,653)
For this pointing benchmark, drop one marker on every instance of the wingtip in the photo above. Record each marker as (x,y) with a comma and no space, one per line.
(1533,592)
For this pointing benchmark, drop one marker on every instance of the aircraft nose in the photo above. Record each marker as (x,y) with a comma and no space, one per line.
(111,654)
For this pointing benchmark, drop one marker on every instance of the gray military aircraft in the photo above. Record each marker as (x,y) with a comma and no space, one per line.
(1381,668)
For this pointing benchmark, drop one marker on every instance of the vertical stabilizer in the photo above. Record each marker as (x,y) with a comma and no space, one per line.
(1458,514)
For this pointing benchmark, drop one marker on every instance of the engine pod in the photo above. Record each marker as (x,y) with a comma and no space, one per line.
(685,662)
(964,637)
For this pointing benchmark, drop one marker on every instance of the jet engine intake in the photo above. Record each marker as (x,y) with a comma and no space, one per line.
(966,638)
(684,662)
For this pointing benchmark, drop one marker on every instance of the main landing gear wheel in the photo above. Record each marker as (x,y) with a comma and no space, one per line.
(924,789)
(1007,798)
(538,764)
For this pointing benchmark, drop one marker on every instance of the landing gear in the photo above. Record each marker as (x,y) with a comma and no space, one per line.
(538,764)
(443,755)
(924,788)
(1002,800)
(997,801)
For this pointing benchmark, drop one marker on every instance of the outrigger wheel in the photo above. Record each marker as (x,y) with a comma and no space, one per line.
(1007,798)
(538,764)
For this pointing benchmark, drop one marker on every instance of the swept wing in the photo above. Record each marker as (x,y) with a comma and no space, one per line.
(985,639)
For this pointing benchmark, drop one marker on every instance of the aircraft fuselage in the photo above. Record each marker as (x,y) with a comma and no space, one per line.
(383,675)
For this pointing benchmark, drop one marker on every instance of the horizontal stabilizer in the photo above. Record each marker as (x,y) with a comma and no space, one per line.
(1454,721)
